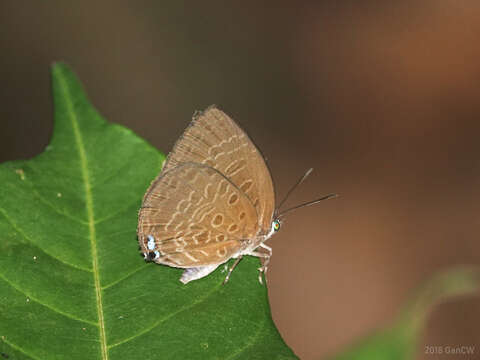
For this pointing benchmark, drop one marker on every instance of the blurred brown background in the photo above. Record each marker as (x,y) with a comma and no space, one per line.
(382,98)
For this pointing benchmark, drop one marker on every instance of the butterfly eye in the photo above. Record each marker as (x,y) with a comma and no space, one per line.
(276,225)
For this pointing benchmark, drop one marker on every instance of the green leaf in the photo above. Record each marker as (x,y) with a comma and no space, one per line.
(72,283)
(400,340)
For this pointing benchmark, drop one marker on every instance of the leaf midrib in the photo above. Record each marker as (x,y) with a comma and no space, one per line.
(90,212)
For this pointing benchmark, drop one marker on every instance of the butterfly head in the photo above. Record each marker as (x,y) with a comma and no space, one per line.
(276,225)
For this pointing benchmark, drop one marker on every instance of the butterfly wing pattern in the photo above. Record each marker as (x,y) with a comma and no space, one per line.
(213,200)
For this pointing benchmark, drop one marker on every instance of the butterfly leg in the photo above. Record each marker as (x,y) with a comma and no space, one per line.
(231,269)
(266,247)
(264,267)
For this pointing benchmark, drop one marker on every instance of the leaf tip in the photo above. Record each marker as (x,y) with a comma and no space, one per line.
(58,66)
(60,70)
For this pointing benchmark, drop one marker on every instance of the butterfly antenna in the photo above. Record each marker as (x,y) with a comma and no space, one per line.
(309,203)
(299,181)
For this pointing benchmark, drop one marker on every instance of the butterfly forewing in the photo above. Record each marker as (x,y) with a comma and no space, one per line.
(196,216)
(215,140)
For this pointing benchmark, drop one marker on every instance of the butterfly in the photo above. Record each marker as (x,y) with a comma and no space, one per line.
(213,200)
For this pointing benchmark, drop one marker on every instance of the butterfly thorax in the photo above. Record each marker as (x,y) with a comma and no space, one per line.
(250,245)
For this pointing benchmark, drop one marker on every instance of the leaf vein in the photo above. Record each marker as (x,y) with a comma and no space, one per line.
(90,211)
(58,211)
(112,174)
(30,297)
(111,216)
(18,348)
(26,237)
(124,277)
(162,320)
(48,203)
(251,341)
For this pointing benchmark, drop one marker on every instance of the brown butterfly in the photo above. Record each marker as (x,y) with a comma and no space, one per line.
(213,200)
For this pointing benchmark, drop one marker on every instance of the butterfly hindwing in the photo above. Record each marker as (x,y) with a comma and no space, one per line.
(196,216)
